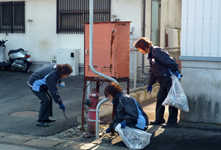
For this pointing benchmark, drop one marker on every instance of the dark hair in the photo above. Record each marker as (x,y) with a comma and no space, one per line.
(64,69)
(112,89)
(143,43)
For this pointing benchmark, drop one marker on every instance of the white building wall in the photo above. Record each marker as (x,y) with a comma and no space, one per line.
(200,56)
(201,28)
(40,36)
(129,10)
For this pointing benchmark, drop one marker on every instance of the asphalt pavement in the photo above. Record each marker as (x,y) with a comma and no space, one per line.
(19,106)
(18,115)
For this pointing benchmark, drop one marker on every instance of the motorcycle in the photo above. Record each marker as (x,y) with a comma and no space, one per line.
(18,59)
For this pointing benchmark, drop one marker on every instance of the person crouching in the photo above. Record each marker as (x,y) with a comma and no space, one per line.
(128,111)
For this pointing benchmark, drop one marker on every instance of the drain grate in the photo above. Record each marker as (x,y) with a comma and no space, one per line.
(24,114)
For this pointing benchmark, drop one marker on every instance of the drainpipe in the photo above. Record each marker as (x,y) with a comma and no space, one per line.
(97,116)
(91,46)
(144,11)
(92,68)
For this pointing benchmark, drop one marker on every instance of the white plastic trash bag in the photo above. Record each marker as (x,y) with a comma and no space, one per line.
(176,96)
(133,138)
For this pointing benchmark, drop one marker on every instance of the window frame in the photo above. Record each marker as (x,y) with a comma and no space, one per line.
(12,17)
(80,13)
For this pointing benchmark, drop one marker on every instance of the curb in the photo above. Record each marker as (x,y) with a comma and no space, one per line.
(141,96)
(47,143)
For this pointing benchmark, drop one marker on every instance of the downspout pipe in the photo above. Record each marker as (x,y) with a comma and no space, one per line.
(144,21)
(97,116)
(92,68)
(91,46)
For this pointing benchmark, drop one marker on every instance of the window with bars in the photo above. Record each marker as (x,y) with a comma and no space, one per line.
(12,17)
(72,14)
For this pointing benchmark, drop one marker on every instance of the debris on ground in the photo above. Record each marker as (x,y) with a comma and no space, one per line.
(76,134)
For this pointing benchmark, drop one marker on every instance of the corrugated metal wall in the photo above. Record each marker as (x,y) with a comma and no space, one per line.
(201,28)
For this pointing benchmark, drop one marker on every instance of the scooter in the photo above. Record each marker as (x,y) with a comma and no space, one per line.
(18,59)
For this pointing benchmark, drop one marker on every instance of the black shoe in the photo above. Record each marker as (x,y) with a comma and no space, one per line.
(169,125)
(50,120)
(156,122)
(42,124)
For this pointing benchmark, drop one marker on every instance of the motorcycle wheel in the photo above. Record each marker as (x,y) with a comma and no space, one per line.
(3,68)
(25,67)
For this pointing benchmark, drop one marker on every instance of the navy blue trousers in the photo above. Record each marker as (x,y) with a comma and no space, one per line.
(45,105)
(173,112)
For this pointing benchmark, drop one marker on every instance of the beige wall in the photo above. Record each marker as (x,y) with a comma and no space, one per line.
(148,19)
(170,17)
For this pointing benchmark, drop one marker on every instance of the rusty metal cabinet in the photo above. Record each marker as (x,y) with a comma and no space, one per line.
(111,44)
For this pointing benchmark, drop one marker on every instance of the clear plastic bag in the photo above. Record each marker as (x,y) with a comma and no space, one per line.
(176,96)
(133,138)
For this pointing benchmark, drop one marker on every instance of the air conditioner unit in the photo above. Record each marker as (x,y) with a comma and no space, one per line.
(70,56)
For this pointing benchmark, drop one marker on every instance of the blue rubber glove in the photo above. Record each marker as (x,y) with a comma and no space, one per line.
(123,124)
(108,130)
(62,107)
(149,88)
(177,74)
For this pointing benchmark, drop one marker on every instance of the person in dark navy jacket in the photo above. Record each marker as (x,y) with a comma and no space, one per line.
(162,66)
(43,83)
(128,111)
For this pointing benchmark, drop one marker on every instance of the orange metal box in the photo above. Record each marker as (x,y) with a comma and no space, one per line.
(111,44)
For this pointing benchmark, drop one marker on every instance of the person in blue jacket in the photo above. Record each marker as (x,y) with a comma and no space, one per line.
(162,66)
(43,83)
(128,111)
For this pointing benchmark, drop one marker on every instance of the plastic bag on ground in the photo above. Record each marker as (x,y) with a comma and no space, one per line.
(176,96)
(133,138)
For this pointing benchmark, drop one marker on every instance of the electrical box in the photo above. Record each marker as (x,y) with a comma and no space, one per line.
(69,56)
(111,49)
(173,39)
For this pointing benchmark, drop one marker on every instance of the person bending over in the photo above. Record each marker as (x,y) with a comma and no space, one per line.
(43,83)
(162,66)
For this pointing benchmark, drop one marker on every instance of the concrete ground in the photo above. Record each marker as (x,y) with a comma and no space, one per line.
(21,133)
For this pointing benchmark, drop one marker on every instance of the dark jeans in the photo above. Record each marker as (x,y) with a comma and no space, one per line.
(173,112)
(45,105)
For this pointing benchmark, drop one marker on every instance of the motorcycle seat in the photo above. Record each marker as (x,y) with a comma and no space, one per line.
(15,51)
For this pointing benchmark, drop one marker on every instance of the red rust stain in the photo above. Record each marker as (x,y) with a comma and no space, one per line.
(111,51)
(112,42)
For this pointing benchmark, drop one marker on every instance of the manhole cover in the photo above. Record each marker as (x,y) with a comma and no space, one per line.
(24,114)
